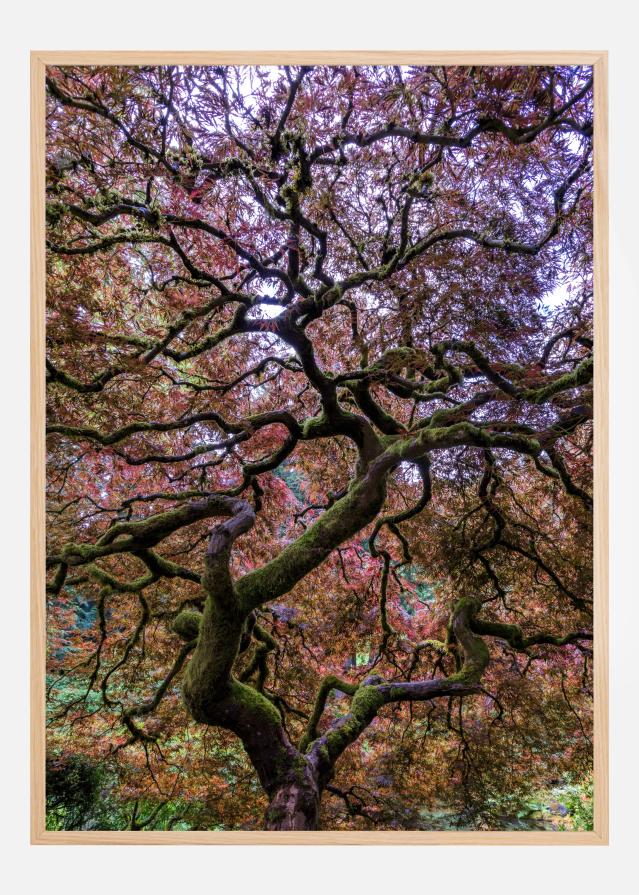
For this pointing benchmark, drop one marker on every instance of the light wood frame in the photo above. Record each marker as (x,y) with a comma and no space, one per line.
(39,60)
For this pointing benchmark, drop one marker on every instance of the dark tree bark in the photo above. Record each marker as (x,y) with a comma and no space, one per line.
(295,804)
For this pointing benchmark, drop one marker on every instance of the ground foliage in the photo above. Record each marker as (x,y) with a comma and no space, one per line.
(319,385)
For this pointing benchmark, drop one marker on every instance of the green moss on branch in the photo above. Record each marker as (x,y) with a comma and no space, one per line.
(329,683)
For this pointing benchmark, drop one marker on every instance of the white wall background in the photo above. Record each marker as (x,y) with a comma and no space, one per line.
(327,24)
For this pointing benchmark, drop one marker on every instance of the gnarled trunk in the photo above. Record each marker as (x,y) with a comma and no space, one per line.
(294,806)
(214,696)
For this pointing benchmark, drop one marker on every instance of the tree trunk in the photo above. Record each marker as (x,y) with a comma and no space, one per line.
(294,806)
(215,697)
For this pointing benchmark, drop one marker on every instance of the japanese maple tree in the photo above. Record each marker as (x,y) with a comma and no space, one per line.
(319,378)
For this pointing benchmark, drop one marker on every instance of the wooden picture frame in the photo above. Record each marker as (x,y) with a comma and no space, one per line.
(39,835)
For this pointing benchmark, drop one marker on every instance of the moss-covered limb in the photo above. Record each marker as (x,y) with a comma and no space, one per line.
(210,692)
(459,412)
(581,375)
(514,635)
(384,421)
(54,374)
(475,652)
(258,663)
(58,579)
(483,364)
(165,568)
(368,699)
(207,447)
(330,682)
(440,646)
(116,585)
(121,237)
(278,144)
(419,443)
(186,624)
(404,357)
(81,554)
(242,427)
(360,506)
(109,438)
(366,702)
(264,637)
(105,208)
(131,536)
(334,420)
(374,693)
(223,621)
(387,629)
(397,384)
(344,519)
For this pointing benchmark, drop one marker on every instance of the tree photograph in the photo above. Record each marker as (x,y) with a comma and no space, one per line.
(319,421)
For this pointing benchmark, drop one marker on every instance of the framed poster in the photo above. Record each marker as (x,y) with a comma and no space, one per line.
(322,558)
